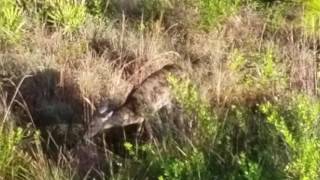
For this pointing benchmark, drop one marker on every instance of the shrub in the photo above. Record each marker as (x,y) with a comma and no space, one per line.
(11,21)
(276,15)
(96,7)
(189,167)
(296,123)
(18,163)
(188,96)
(173,162)
(311,18)
(213,11)
(258,70)
(250,169)
(68,14)
(14,163)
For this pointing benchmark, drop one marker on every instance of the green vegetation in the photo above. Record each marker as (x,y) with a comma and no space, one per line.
(311,16)
(12,164)
(16,163)
(243,78)
(301,138)
(11,21)
(67,14)
(214,11)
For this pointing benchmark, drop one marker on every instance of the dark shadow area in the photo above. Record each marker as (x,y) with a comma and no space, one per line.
(52,104)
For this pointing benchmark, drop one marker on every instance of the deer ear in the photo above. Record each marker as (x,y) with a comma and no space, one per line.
(110,114)
(103,109)
(107,117)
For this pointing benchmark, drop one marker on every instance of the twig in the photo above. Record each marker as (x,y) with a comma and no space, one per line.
(13,97)
(23,104)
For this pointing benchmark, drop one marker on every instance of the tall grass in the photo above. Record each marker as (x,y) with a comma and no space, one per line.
(236,111)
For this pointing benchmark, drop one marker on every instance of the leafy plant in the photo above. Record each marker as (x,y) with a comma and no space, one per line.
(213,11)
(188,167)
(296,123)
(11,21)
(68,14)
(94,7)
(311,18)
(172,163)
(188,96)
(14,163)
(250,169)
(276,15)
(258,70)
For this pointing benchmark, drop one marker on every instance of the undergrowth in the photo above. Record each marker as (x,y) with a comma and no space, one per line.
(243,79)
(212,12)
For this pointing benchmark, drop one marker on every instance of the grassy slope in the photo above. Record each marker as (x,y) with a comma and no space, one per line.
(245,93)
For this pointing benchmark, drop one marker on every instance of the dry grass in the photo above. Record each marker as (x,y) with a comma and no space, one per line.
(112,60)
(209,56)
(211,53)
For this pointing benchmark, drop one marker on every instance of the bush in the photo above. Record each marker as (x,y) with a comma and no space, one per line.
(260,71)
(17,163)
(96,7)
(213,11)
(188,96)
(11,21)
(14,163)
(250,169)
(311,18)
(68,14)
(174,162)
(296,123)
